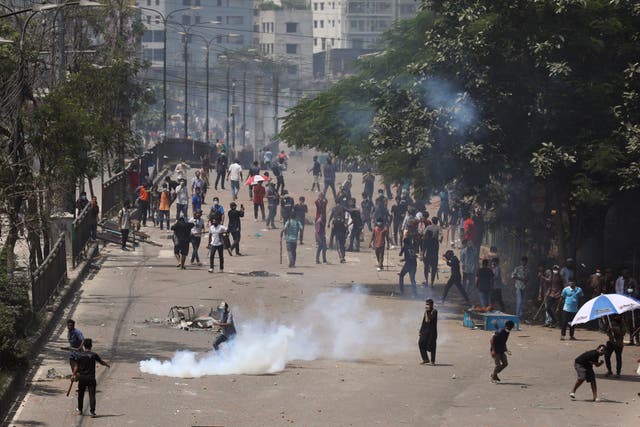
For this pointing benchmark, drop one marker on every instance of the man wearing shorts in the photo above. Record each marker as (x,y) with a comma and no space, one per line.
(584,368)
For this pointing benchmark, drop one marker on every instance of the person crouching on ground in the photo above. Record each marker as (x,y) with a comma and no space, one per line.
(584,368)
(227,325)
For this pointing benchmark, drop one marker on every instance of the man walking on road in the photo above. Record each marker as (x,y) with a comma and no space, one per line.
(409,250)
(181,239)
(428,333)
(273,200)
(182,199)
(85,373)
(317,173)
(234,225)
(221,170)
(455,279)
(584,368)
(379,238)
(291,232)
(235,176)
(329,177)
(196,235)
(321,240)
(499,349)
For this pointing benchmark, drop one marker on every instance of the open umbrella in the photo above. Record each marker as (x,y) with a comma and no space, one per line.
(255,179)
(604,305)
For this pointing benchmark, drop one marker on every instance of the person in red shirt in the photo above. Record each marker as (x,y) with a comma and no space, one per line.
(379,236)
(470,232)
(258,200)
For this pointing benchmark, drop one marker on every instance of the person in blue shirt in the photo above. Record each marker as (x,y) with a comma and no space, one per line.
(75,338)
(196,200)
(216,211)
(570,297)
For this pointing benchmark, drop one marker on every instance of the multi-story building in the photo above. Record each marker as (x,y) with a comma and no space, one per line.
(355,24)
(285,36)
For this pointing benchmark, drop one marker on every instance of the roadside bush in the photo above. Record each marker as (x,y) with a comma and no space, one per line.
(15,316)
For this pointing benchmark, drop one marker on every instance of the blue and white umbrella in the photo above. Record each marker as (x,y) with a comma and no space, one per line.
(604,305)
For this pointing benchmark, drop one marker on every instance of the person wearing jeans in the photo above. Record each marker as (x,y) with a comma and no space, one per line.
(291,232)
(196,235)
(571,297)
(216,244)
(321,240)
(182,200)
(235,176)
(258,200)
(520,276)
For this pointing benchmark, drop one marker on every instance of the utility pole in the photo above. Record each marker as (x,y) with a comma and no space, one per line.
(258,132)
(244,105)
(226,139)
(186,87)
(276,90)
(233,116)
(206,121)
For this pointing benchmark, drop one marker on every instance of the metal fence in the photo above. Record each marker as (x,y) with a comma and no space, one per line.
(47,278)
(112,194)
(80,235)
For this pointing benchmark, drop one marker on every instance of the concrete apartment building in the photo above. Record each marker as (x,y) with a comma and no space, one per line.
(355,24)
(286,37)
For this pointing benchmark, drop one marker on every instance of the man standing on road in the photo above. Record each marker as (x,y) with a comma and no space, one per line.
(317,173)
(286,206)
(254,170)
(258,200)
(616,331)
(321,240)
(235,176)
(356,226)
(124,220)
(196,182)
(216,210)
(428,333)
(216,243)
(379,237)
(321,207)
(369,180)
(300,213)
(181,239)
(409,250)
(85,373)
(196,235)
(499,349)
(227,325)
(520,276)
(182,199)
(571,296)
(196,200)
(339,219)
(74,337)
(329,177)
(469,263)
(455,279)
(163,207)
(234,225)
(273,200)
(584,368)
(221,170)
(277,172)
(291,231)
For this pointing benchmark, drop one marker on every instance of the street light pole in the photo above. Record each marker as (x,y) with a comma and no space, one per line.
(186,87)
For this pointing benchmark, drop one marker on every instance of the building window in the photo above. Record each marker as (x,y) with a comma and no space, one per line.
(149,20)
(315,41)
(147,37)
(186,20)
(292,49)
(235,20)
(292,27)
(324,43)
(315,24)
(321,6)
(333,42)
(158,19)
(157,2)
(315,6)
(148,2)
(322,23)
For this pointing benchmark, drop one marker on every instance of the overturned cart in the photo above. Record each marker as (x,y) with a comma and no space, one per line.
(185,317)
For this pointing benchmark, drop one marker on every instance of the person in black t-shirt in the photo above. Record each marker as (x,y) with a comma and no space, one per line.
(484,283)
(234,227)
(456,276)
(584,368)
(300,214)
(85,374)
(499,349)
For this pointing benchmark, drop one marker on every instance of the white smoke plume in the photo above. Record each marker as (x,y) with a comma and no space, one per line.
(336,325)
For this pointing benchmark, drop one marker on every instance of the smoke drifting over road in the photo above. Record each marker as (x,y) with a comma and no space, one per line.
(336,325)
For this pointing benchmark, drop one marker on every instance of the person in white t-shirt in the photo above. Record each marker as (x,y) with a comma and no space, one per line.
(216,243)
(235,176)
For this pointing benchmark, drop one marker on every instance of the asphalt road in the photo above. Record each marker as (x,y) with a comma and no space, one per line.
(359,358)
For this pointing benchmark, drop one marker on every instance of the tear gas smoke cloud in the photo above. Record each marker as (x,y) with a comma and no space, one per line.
(459,106)
(336,325)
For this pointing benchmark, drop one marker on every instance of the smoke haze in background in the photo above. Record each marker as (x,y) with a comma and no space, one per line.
(336,325)
(462,111)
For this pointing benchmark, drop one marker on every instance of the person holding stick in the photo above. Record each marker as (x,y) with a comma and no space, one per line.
(85,373)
